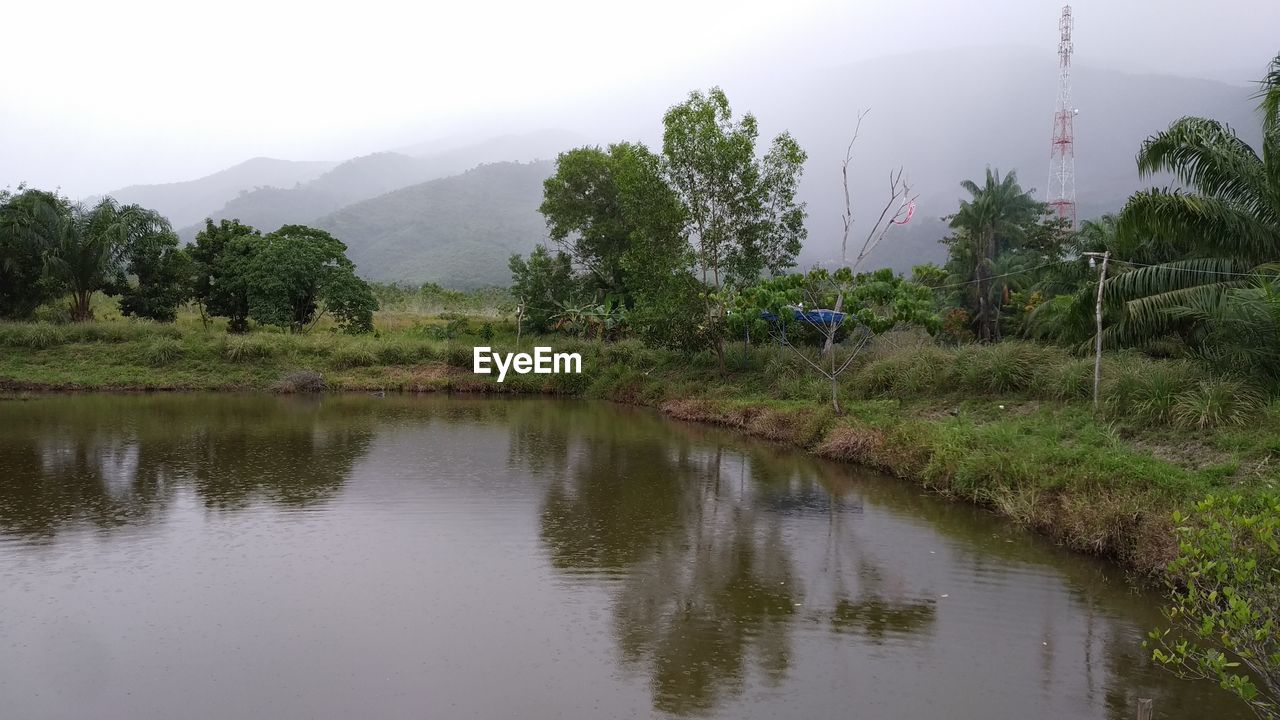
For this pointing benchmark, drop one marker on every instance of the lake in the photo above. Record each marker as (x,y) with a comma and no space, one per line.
(200,556)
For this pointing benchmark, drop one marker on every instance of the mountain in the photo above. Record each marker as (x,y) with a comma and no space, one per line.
(458,231)
(537,145)
(188,202)
(267,208)
(365,177)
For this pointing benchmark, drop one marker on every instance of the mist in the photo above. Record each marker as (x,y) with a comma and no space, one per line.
(103,96)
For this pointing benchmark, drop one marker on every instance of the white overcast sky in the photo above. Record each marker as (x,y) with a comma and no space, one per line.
(95,95)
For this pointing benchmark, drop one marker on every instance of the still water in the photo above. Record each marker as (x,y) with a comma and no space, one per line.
(358,557)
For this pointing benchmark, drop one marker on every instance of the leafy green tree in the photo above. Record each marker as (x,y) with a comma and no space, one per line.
(162,272)
(88,249)
(1224,590)
(27,222)
(740,210)
(1198,248)
(740,213)
(221,257)
(299,273)
(992,221)
(543,285)
(610,211)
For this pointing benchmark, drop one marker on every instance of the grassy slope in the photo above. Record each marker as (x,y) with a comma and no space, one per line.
(1008,428)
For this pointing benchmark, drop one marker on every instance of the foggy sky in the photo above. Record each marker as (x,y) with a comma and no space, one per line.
(98,95)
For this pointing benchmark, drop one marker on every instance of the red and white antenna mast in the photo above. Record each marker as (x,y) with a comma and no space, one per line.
(1061,190)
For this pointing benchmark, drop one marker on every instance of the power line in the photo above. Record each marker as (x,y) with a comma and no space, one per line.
(1192,270)
(997,277)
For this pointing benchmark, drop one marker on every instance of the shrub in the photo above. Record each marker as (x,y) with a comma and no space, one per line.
(160,352)
(1216,402)
(459,356)
(354,356)
(1121,385)
(1070,380)
(457,327)
(242,348)
(300,381)
(1000,368)
(1222,589)
(878,377)
(1156,395)
(35,336)
(924,371)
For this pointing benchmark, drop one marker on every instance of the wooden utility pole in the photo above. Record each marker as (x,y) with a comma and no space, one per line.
(1097,350)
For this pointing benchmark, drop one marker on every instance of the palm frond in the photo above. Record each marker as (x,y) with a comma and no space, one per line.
(1157,315)
(1163,222)
(1173,276)
(1208,155)
(1269,97)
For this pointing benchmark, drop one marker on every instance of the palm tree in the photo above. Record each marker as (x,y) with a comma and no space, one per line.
(1067,317)
(1198,251)
(87,247)
(992,221)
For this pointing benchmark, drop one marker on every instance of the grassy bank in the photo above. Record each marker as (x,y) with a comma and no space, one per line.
(1009,426)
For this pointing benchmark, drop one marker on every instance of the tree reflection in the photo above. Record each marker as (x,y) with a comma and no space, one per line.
(112,461)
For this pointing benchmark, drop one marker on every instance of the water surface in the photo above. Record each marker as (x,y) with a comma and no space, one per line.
(356,557)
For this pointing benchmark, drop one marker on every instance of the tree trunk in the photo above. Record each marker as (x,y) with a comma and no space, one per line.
(985,332)
(80,305)
(829,345)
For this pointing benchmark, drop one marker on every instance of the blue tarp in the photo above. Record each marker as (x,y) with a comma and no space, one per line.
(813,317)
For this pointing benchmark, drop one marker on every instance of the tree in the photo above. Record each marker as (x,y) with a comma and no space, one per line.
(161,270)
(88,247)
(542,285)
(221,256)
(1196,249)
(1224,590)
(610,211)
(740,211)
(27,222)
(299,273)
(993,220)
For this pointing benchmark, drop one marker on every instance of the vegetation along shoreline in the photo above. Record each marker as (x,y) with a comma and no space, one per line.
(1008,427)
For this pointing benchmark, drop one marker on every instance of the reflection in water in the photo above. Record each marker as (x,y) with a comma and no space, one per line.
(67,463)
(410,557)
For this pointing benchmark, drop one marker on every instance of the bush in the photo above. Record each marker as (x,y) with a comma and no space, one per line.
(1216,402)
(1223,588)
(1121,385)
(300,381)
(161,352)
(459,356)
(1156,395)
(34,336)
(1001,368)
(457,328)
(397,352)
(354,356)
(1070,380)
(243,348)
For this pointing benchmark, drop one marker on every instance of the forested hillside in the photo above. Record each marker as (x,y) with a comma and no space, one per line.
(352,181)
(457,231)
(190,201)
